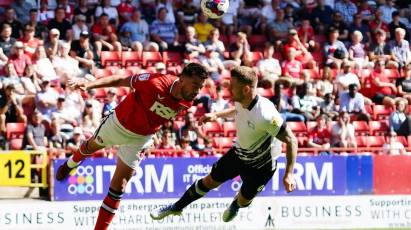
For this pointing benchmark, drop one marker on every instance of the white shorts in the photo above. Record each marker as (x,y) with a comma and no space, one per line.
(111,132)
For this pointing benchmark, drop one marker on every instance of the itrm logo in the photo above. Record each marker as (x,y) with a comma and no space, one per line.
(81,180)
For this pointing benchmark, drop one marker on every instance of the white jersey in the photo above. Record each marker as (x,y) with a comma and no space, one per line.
(257,126)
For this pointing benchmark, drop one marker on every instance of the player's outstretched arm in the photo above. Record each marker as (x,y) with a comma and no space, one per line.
(287,136)
(213,116)
(110,81)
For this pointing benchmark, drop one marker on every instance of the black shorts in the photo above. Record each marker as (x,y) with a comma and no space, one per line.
(379,97)
(254,179)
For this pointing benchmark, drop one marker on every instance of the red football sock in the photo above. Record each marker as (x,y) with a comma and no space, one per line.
(108,209)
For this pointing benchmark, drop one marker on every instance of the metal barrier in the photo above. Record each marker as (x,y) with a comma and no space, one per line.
(17,168)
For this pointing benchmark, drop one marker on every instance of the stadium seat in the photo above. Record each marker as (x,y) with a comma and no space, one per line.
(199,111)
(112,69)
(224,39)
(222,142)
(172,58)
(302,141)
(368,109)
(403,140)
(150,58)
(110,58)
(311,125)
(392,73)
(16,144)
(122,91)
(298,128)
(268,93)
(131,58)
(314,75)
(361,142)
(124,72)
(212,129)
(229,129)
(381,112)
(378,128)
(15,130)
(257,41)
(134,69)
(99,73)
(361,128)
(256,56)
(174,70)
(375,141)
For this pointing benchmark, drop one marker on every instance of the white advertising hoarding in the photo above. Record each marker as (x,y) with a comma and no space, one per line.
(309,212)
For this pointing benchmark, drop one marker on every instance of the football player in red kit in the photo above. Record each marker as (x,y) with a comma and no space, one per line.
(155,99)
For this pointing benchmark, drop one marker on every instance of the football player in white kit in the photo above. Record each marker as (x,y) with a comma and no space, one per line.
(254,153)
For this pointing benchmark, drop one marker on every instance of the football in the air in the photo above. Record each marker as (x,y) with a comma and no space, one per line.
(214,8)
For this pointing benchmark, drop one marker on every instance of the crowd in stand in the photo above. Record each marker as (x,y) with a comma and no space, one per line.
(328,62)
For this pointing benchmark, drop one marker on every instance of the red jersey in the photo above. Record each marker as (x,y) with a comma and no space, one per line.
(320,136)
(292,68)
(30,46)
(150,104)
(382,77)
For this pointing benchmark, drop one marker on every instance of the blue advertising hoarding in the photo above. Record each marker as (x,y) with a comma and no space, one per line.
(170,177)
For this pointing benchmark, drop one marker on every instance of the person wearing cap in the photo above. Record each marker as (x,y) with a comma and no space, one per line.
(82,50)
(79,26)
(74,142)
(62,113)
(346,77)
(61,24)
(19,59)
(46,99)
(11,111)
(29,41)
(52,43)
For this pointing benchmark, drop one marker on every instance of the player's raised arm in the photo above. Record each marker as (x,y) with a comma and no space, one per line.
(110,81)
(287,136)
(213,116)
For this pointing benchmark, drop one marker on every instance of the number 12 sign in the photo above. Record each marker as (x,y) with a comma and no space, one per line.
(15,169)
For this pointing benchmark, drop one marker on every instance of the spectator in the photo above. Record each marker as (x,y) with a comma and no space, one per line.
(400,49)
(339,24)
(79,26)
(219,104)
(387,9)
(382,90)
(380,50)
(61,24)
(16,26)
(335,50)
(281,102)
(82,51)
(269,67)
(393,147)
(398,120)
(301,53)
(106,8)
(139,34)
(322,14)
(44,13)
(68,8)
(280,26)
(343,133)
(11,110)
(213,64)
(28,80)
(191,131)
(326,83)
(125,11)
(167,143)
(46,99)
(104,35)
(229,19)
(378,24)
(357,52)
(74,143)
(43,66)
(194,49)
(10,77)
(52,43)
(35,136)
(240,50)
(268,15)
(347,9)
(306,34)
(22,8)
(19,59)
(97,107)
(366,12)
(90,120)
(353,103)
(74,102)
(404,84)
(66,67)
(29,41)
(111,102)
(62,113)
(164,33)
(40,30)
(186,15)
(319,136)
(346,78)
(6,41)
(83,9)
(203,28)
(248,14)
(359,25)
(168,4)
(328,108)
(186,148)
(396,23)
(213,44)
(57,141)
(291,67)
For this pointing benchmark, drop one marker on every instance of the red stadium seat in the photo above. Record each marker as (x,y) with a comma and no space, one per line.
(224,39)
(302,141)
(134,69)
(368,109)
(222,142)
(378,128)
(361,141)
(131,58)
(172,58)
(313,74)
(175,70)
(200,111)
(122,91)
(256,56)
(110,58)
(311,125)
(16,144)
(150,58)
(361,128)
(229,129)
(381,112)
(15,130)
(112,69)
(212,129)
(99,73)
(392,73)
(257,41)
(124,72)
(265,92)
(375,141)
(298,128)
(402,140)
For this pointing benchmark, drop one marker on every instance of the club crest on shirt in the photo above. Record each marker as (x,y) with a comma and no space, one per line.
(144,77)
(251,125)
(276,122)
